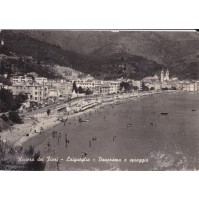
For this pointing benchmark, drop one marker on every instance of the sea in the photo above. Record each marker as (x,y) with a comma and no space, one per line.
(154,132)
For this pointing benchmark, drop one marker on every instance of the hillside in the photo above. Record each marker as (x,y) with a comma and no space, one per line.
(103,53)
(157,46)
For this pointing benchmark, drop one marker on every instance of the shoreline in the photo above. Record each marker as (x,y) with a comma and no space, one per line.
(17,133)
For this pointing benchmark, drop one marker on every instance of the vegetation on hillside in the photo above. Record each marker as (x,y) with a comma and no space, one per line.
(177,51)
(105,55)
(102,67)
(8,102)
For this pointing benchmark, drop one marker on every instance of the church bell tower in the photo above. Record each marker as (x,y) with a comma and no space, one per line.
(162,76)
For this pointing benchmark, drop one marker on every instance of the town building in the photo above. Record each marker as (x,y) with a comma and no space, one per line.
(17,79)
(3,86)
(166,85)
(137,83)
(190,86)
(36,92)
(114,87)
(64,87)
(105,89)
(84,83)
(53,92)
(41,80)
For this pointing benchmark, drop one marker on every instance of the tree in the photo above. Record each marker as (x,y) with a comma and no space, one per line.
(14,117)
(74,87)
(126,86)
(4,117)
(10,103)
(88,91)
(81,90)
(7,101)
(152,88)
(144,87)
(5,81)
(19,99)
(135,87)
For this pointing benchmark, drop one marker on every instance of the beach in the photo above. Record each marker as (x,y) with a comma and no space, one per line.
(132,134)
(37,121)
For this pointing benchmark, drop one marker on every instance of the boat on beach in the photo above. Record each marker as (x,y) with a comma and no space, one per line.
(61,107)
(164,113)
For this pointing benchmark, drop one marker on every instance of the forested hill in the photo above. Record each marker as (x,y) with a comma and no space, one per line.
(111,55)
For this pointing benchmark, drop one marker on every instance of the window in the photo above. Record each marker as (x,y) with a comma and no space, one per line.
(35,98)
(35,88)
(35,93)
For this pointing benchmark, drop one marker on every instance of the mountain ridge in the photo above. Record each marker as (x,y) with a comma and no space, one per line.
(99,52)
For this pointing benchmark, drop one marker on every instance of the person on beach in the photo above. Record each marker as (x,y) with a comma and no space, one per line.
(54,150)
(58,162)
(59,136)
(80,120)
(67,142)
(94,138)
(114,138)
(89,143)
(56,135)
(45,149)
(53,134)
(48,144)
(20,147)
(41,130)
(65,121)
(84,154)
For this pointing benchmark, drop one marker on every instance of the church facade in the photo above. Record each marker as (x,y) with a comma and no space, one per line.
(164,77)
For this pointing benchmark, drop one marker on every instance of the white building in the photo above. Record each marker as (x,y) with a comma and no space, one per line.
(137,83)
(64,87)
(37,93)
(16,79)
(41,80)
(114,87)
(54,92)
(85,83)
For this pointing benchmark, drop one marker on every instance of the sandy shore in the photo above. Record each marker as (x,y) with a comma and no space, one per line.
(33,124)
